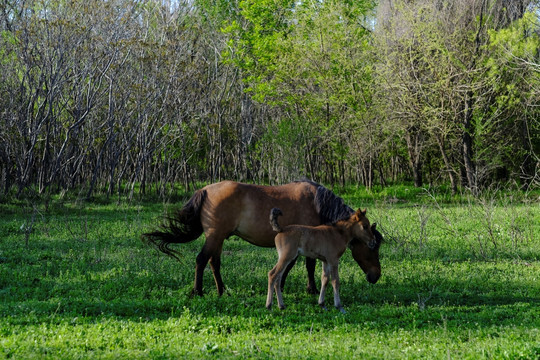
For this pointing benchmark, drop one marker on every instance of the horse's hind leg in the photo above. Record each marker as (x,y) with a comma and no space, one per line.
(215,264)
(200,264)
(214,244)
(211,251)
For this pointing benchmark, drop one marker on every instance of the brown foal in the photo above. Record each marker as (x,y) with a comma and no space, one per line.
(324,242)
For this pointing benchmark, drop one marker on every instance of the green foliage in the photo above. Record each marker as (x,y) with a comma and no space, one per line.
(311,61)
(460,77)
(516,80)
(460,280)
(254,39)
(520,40)
(7,39)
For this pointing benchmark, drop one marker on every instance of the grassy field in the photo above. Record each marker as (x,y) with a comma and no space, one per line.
(461,280)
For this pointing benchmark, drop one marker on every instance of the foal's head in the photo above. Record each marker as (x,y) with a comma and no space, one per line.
(362,229)
(367,258)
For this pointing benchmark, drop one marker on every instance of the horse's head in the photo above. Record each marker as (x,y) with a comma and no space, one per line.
(366,257)
(362,229)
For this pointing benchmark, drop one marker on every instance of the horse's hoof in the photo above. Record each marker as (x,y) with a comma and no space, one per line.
(196,293)
(323,307)
(312,290)
(269,307)
(342,310)
(282,307)
(224,292)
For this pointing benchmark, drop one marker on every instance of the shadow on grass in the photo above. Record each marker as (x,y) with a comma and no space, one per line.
(382,306)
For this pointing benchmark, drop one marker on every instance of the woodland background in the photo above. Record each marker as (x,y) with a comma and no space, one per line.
(137,96)
(133,103)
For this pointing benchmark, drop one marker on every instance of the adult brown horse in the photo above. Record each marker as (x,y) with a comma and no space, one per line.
(231,208)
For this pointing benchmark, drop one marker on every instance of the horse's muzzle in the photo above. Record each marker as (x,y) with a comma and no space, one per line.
(373,277)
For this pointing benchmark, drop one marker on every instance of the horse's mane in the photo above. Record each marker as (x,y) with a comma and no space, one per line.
(330,207)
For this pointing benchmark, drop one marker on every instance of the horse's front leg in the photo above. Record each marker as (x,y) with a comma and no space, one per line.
(310,267)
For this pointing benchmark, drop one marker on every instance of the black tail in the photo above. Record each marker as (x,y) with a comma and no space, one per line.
(274,213)
(184,227)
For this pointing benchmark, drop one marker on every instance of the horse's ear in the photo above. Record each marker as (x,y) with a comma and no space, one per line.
(373,226)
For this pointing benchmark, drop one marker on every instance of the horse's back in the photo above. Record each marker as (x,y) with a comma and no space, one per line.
(242,209)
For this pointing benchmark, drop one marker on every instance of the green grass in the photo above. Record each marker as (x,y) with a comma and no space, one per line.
(461,280)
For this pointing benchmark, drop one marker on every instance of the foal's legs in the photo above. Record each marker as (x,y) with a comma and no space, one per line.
(330,271)
(274,279)
(286,272)
(324,282)
(335,285)
(310,267)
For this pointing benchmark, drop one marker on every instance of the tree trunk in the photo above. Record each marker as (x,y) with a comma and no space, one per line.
(467,144)
(527,165)
(447,164)
(414,148)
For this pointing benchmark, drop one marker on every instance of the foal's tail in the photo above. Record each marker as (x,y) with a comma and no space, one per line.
(274,213)
(184,227)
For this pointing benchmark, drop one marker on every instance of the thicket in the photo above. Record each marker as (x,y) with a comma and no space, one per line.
(121,96)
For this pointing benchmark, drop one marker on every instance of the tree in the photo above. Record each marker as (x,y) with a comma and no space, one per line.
(310,60)
(514,68)
(436,80)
